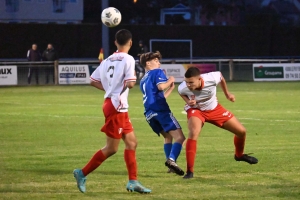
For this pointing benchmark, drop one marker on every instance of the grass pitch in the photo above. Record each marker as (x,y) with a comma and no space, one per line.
(47,131)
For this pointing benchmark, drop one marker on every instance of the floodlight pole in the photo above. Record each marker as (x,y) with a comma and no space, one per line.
(105,32)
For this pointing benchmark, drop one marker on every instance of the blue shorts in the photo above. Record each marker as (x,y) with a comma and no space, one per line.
(162,121)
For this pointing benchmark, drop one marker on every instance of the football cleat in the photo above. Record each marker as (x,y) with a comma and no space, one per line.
(172,165)
(188,175)
(135,186)
(80,179)
(246,158)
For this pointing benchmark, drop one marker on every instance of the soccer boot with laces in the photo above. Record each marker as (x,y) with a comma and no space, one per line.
(246,158)
(173,165)
(136,186)
(80,179)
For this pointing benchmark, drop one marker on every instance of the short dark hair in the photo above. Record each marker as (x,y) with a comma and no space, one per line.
(149,56)
(192,72)
(123,36)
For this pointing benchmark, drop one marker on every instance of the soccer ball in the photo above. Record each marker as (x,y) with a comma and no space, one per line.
(111,17)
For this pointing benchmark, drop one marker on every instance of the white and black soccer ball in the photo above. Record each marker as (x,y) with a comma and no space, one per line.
(111,17)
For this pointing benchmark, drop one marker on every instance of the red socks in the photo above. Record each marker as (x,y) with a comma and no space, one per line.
(190,151)
(239,144)
(95,162)
(129,157)
(99,157)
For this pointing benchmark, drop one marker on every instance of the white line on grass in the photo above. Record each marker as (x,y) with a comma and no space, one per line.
(137,119)
(132,107)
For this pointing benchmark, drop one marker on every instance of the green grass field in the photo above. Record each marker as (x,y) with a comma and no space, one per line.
(47,131)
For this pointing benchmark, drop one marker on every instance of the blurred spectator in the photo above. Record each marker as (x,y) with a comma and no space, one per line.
(33,55)
(140,71)
(49,55)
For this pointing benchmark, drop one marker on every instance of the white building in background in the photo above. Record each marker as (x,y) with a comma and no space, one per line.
(41,11)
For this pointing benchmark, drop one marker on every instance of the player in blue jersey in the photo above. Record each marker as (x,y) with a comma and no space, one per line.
(156,87)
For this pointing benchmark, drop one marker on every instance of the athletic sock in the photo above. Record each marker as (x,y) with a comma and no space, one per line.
(176,149)
(191,147)
(130,160)
(239,144)
(94,163)
(167,149)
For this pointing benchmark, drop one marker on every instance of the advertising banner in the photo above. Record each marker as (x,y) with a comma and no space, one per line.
(276,72)
(73,74)
(178,70)
(8,75)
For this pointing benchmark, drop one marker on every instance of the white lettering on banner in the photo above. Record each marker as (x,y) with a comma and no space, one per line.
(272,73)
(8,75)
(73,74)
(73,69)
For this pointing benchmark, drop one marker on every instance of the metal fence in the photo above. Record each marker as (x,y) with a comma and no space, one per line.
(232,69)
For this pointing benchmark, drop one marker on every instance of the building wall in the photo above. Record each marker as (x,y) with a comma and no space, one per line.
(41,11)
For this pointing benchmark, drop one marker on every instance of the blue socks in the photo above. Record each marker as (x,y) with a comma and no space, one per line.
(175,151)
(167,149)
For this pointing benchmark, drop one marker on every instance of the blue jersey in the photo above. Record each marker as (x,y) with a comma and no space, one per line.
(153,98)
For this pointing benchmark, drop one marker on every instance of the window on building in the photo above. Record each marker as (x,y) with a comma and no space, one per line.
(12,6)
(59,6)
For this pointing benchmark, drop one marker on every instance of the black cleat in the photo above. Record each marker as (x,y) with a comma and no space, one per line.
(170,170)
(188,175)
(249,159)
(172,165)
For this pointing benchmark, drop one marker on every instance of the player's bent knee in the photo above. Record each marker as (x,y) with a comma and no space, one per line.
(131,145)
(193,135)
(241,133)
(109,152)
(180,139)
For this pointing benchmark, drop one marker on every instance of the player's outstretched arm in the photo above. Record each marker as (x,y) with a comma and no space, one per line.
(97,85)
(228,95)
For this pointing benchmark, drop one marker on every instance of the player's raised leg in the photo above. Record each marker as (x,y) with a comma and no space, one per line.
(98,158)
(234,126)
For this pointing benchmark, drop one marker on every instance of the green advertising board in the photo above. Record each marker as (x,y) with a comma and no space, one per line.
(268,72)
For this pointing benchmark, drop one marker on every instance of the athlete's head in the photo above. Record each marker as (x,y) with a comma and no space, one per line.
(150,60)
(192,78)
(123,38)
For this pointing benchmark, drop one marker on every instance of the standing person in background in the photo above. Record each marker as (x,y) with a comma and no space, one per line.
(33,55)
(115,76)
(157,111)
(49,55)
(142,48)
(199,93)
